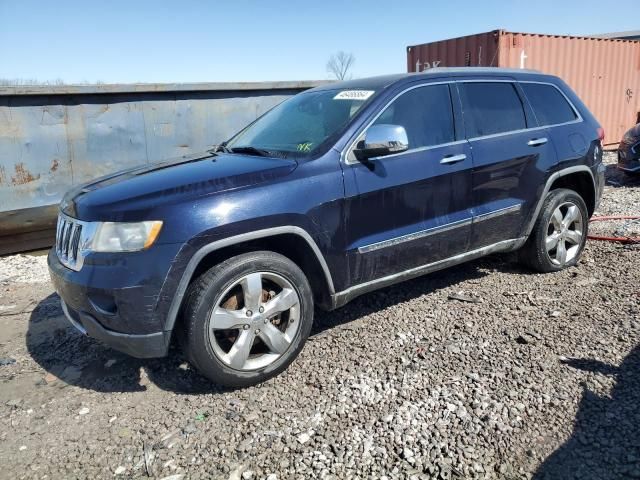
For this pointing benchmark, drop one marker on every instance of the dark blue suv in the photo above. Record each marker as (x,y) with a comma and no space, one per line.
(336,192)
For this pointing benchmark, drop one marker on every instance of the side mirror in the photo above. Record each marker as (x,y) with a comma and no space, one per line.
(381,140)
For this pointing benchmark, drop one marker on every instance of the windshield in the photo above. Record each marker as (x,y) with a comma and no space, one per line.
(300,124)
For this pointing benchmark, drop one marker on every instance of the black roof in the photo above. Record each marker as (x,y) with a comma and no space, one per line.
(383,81)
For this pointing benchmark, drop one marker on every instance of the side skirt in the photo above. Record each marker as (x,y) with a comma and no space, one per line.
(345,296)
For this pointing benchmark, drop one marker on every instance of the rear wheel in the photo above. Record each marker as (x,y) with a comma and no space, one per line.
(559,234)
(248,318)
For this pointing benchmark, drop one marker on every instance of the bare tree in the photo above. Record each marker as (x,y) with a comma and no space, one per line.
(340,64)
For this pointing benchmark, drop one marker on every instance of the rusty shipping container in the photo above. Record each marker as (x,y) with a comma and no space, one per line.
(53,137)
(604,72)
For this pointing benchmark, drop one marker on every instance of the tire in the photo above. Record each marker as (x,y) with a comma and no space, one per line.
(536,253)
(225,296)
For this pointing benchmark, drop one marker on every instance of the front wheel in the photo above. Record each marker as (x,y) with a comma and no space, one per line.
(559,234)
(247,318)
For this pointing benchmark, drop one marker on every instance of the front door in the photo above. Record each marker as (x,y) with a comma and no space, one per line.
(412,208)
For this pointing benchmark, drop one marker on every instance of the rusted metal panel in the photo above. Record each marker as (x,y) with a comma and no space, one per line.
(51,141)
(158,87)
(605,73)
(471,51)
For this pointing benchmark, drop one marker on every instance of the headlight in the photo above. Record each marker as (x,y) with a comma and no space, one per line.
(125,237)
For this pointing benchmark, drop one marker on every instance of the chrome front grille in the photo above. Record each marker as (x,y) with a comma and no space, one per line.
(71,239)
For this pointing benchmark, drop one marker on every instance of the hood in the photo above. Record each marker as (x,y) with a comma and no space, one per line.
(115,197)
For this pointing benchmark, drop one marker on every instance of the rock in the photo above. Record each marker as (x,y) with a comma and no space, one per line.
(14,402)
(407,453)
(7,361)
(304,438)
(83,411)
(190,429)
(462,297)
(170,439)
(120,470)
(251,417)
(110,363)
(237,473)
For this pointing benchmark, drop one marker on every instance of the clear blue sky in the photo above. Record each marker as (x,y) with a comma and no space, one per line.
(242,40)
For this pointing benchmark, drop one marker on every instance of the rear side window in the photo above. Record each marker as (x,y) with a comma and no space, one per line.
(491,108)
(425,113)
(549,105)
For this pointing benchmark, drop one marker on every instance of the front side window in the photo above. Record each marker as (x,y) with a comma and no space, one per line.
(302,123)
(491,108)
(425,113)
(549,105)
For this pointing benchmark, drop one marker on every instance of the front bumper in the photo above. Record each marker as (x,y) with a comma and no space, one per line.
(140,346)
(629,159)
(114,299)
(632,166)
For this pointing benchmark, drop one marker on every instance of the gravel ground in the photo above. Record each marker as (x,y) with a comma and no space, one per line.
(481,371)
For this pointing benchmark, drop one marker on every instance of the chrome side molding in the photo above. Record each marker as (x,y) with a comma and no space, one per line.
(345,296)
(498,213)
(413,236)
(436,230)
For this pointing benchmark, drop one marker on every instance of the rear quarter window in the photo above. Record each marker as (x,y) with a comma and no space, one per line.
(491,108)
(549,105)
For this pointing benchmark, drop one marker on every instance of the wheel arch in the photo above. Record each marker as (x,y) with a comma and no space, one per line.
(580,182)
(290,241)
(578,178)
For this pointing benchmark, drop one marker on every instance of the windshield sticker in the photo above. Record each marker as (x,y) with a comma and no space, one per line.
(304,147)
(354,95)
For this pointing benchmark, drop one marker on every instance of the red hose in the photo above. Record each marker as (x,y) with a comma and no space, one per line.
(615,239)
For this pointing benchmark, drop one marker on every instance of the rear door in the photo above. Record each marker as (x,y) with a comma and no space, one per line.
(412,208)
(511,156)
(561,120)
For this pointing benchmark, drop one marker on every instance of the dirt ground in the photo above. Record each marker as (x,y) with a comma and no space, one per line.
(485,370)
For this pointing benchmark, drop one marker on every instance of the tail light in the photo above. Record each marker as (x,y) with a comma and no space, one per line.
(601,134)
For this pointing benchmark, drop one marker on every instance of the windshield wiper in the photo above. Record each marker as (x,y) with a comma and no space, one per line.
(220,148)
(251,150)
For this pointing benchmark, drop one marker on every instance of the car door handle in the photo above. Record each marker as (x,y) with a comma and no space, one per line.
(453,158)
(535,142)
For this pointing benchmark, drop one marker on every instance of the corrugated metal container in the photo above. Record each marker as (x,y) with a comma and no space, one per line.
(605,73)
(53,137)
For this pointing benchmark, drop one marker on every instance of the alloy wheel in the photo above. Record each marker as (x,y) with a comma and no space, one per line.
(254,321)
(564,234)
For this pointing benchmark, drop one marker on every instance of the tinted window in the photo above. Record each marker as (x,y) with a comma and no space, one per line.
(425,113)
(491,108)
(548,104)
